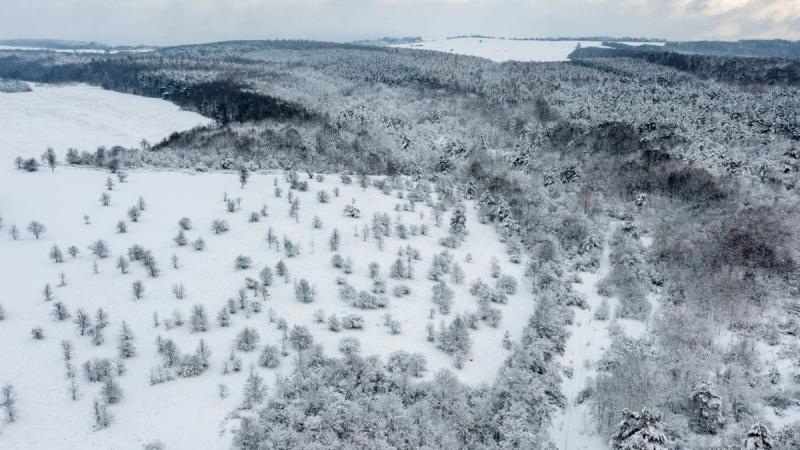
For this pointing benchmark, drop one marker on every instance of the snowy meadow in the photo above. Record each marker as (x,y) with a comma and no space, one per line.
(237,252)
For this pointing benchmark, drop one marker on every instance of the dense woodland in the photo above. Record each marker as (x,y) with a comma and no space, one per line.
(685,166)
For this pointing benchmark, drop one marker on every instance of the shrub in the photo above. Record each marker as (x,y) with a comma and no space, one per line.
(352,322)
(243,262)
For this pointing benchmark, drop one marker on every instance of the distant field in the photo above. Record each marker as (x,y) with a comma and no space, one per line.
(501,50)
(84,117)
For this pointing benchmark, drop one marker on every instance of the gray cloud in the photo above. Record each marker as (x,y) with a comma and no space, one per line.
(184,21)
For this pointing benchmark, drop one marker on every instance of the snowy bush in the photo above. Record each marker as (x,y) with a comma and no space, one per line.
(247,339)
(352,322)
(242,262)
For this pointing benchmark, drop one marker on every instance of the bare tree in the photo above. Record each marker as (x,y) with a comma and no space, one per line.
(36,229)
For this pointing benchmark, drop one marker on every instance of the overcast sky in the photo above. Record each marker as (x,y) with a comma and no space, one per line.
(162,22)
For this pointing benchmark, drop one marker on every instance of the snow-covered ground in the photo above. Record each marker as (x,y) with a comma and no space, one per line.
(188,413)
(72,50)
(573,427)
(84,117)
(501,50)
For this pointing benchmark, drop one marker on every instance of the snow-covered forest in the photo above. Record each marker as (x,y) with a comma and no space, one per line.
(297,244)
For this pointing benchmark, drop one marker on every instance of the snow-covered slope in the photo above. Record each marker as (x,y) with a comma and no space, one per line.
(501,50)
(186,413)
(84,117)
(189,412)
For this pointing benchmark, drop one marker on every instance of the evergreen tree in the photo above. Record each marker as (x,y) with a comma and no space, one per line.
(304,292)
(707,415)
(247,339)
(266,276)
(458,221)
(442,297)
(203,354)
(254,390)
(224,318)
(333,243)
(300,338)
(758,438)
(198,319)
(281,269)
(270,357)
(639,430)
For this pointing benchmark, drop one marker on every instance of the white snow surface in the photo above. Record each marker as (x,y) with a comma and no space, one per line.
(501,50)
(189,413)
(573,427)
(73,50)
(84,117)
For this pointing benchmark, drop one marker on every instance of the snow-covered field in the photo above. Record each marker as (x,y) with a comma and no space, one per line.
(189,413)
(84,117)
(71,50)
(501,50)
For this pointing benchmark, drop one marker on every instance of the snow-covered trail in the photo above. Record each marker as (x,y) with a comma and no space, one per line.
(573,426)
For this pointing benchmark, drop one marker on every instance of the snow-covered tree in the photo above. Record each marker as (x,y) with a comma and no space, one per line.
(270,357)
(37,333)
(8,400)
(639,430)
(47,293)
(111,391)
(442,297)
(244,175)
(758,438)
(224,318)
(458,221)
(137,288)
(219,226)
(247,339)
(49,157)
(199,319)
(134,213)
(83,321)
(60,311)
(36,229)
(300,338)
(99,248)
(56,255)
(102,416)
(304,292)
(254,390)
(707,417)
(125,342)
